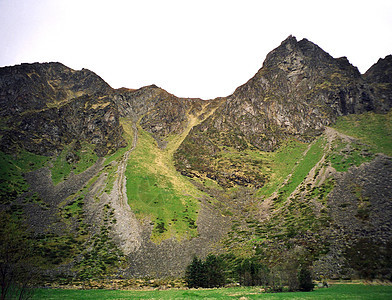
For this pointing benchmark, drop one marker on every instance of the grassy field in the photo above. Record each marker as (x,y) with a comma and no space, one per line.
(337,291)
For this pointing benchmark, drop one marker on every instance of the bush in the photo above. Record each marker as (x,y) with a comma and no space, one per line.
(195,274)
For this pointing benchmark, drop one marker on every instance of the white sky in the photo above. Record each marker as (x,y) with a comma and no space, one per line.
(203,48)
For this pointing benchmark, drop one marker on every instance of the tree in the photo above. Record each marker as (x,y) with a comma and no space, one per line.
(305,280)
(205,274)
(251,272)
(215,271)
(195,274)
(16,270)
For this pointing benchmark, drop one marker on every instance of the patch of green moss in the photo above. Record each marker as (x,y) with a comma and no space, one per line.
(345,154)
(301,169)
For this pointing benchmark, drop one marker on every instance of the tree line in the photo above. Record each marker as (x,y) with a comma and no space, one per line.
(217,271)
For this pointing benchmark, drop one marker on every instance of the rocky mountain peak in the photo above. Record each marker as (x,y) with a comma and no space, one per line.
(379,77)
(292,52)
(58,103)
(299,90)
(381,71)
(36,86)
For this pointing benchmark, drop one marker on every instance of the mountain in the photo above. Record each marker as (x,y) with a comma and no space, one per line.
(293,168)
(46,106)
(299,90)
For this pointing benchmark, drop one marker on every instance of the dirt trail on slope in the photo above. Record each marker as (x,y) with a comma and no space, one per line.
(127,226)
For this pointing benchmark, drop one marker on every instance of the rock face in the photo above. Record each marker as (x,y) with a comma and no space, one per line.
(29,87)
(299,90)
(46,106)
(379,77)
(157,111)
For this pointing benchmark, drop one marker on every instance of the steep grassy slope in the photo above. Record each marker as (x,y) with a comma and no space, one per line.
(373,129)
(156,191)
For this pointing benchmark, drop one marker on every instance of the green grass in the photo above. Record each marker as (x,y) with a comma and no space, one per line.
(12,168)
(337,291)
(303,167)
(370,128)
(346,154)
(282,162)
(85,156)
(156,191)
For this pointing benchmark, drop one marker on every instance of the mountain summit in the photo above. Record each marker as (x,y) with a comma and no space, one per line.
(299,91)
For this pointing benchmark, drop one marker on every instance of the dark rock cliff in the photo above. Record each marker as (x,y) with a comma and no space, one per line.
(299,90)
(379,77)
(46,106)
(157,111)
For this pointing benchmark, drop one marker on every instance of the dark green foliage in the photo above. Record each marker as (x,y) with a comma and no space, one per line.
(17,268)
(56,250)
(305,280)
(206,274)
(252,272)
(160,227)
(102,257)
(195,273)
(215,271)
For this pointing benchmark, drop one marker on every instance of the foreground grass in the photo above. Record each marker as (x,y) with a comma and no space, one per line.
(337,291)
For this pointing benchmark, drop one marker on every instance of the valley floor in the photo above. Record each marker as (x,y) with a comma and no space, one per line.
(336,291)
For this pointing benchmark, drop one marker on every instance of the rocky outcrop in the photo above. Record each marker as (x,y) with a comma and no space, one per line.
(31,87)
(46,106)
(379,77)
(157,111)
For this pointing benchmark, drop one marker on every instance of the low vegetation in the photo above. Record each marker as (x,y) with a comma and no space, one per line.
(12,168)
(335,292)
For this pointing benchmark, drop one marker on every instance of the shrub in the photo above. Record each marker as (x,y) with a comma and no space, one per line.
(195,274)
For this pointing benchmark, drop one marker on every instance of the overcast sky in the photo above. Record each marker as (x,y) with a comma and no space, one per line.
(202,48)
